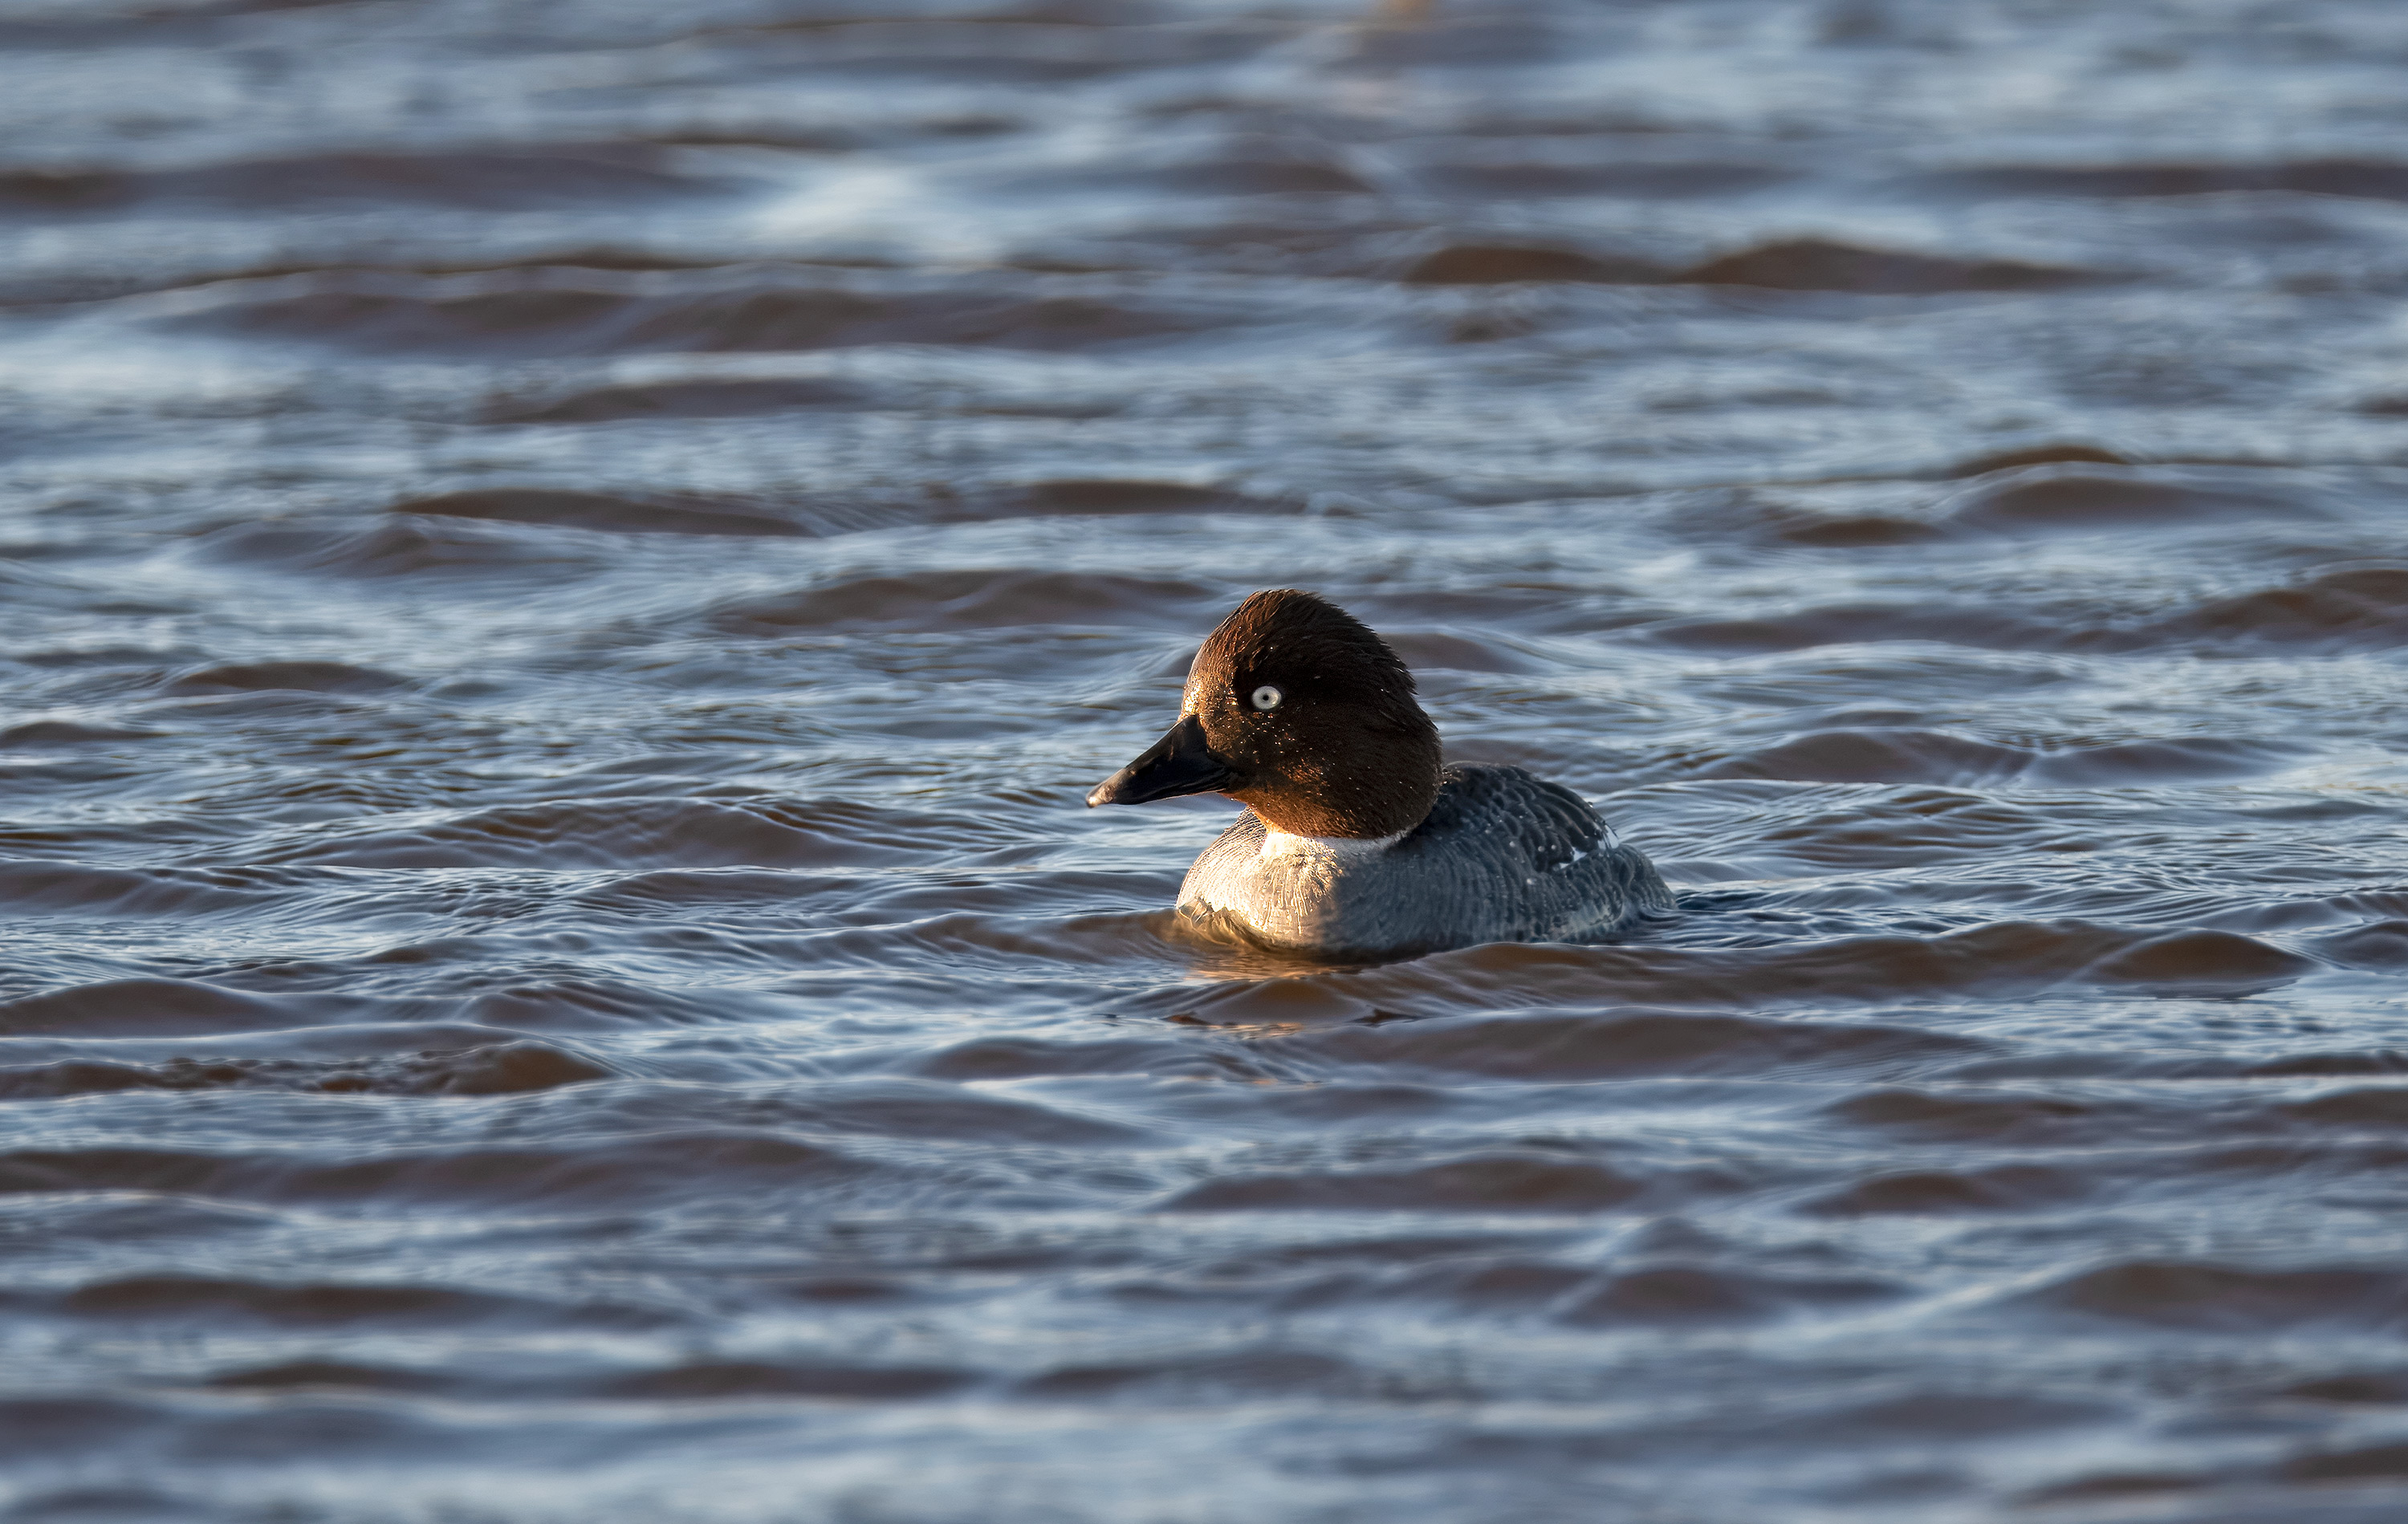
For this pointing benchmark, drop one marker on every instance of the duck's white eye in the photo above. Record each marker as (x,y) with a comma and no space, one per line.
(1266,697)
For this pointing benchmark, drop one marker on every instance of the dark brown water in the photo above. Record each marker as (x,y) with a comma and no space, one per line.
(565,567)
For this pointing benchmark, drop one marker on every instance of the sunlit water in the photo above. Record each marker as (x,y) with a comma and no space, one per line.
(566,567)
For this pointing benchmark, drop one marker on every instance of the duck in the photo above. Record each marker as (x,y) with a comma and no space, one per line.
(1357,840)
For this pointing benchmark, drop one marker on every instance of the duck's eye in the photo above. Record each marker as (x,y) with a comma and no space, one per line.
(1266,697)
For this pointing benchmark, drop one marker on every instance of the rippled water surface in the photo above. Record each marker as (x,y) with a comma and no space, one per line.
(565,565)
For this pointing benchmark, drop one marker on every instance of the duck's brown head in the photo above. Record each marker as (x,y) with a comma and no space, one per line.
(1297,708)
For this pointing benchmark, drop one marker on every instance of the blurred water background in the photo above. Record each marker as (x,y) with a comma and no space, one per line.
(565,565)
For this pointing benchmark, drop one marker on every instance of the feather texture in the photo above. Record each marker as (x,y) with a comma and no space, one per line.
(1502,857)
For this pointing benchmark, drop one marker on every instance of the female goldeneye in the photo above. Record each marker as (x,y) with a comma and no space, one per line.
(1355,841)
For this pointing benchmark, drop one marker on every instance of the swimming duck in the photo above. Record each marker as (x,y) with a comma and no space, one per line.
(1355,840)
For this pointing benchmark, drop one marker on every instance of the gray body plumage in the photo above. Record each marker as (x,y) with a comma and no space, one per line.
(1502,857)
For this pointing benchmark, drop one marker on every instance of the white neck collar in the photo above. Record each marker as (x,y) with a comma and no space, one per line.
(1278,843)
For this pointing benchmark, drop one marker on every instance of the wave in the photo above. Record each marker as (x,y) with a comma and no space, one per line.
(697,513)
(1542,1045)
(481,178)
(608,512)
(320,1304)
(1243,167)
(704,397)
(1997,961)
(1815,264)
(2000,1187)
(633,834)
(1489,264)
(69,733)
(1797,265)
(693,1381)
(2344,608)
(1934,757)
(1653,1296)
(719,1380)
(44,888)
(2011,1117)
(1480,1183)
(142,1008)
(396,549)
(2377,946)
(1001,1058)
(617,1174)
(503,1069)
(2205,1296)
(1643,179)
(2360,606)
(978,600)
(282,676)
(2378,179)
(559,313)
(2085,498)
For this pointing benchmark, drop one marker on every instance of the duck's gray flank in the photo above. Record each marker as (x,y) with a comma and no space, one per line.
(1502,857)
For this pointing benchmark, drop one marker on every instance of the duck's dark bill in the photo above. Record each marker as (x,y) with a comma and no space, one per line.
(1179,763)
